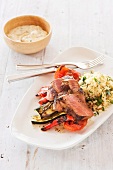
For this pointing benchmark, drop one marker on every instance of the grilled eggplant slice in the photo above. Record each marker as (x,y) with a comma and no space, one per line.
(37,120)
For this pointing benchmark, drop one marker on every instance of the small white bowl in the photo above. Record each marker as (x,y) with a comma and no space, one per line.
(27,47)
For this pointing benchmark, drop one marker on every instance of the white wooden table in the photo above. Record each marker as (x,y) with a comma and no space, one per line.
(74,23)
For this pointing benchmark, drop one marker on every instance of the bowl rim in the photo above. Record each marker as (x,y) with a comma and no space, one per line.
(19,16)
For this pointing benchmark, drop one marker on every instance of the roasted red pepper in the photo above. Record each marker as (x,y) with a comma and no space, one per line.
(43,101)
(50,125)
(72,126)
(42,92)
(68,123)
(76,75)
(69,118)
(55,122)
(61,72)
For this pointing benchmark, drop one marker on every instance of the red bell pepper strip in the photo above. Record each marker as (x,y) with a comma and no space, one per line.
(43,101)
(55,122)
(50,125)
(42,92)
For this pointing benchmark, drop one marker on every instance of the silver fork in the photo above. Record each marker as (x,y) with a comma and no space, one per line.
(52,68)
(81,65)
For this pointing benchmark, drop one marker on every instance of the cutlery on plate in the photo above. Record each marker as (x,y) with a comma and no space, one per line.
(81,65)
(52,68)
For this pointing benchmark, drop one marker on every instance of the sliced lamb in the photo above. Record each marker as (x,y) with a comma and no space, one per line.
(75,116)
(68,96)
(78,105)
(57,106)
(81,96)
(57,85)
(51,94)
(73,84)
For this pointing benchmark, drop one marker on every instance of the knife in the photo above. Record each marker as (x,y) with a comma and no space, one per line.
(17,77)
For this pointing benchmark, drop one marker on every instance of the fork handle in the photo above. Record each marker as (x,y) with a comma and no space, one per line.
(22,76)
(35,67)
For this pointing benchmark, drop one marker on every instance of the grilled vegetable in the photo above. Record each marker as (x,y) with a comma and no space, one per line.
(38,120)
(42,92)
(73,126)
(66,119)
(45,110)
(43,101)
(55,122)
(61,71)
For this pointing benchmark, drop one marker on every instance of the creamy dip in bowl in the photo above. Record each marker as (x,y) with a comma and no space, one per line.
(27,34)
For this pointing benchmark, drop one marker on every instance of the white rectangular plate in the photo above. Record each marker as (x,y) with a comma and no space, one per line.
(22,127)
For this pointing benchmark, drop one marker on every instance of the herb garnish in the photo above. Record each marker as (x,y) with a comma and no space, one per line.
(96,113)
(99,100)
(84,78)
(96,80)
(108,92)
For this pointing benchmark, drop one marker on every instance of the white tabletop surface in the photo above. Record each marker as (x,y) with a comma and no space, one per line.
(74,23)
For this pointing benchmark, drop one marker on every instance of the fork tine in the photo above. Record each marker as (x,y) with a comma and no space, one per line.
(96,61)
